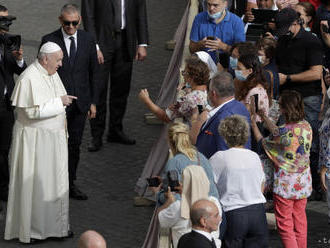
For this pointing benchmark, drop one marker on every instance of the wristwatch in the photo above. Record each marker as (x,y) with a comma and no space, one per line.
(288,79)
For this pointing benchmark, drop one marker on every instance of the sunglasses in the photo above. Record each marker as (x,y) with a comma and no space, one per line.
(67,23)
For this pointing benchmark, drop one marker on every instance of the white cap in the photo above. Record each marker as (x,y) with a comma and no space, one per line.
(50,47)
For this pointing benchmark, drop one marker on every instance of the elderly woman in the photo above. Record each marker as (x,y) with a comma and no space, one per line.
(174,213)
(289,147)
(239,177)
(196,75)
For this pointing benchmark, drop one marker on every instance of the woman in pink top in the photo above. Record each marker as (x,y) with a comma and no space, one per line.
(252,82)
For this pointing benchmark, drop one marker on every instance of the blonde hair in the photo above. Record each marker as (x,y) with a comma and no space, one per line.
(178,136)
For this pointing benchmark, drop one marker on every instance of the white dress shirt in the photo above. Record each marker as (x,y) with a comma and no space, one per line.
(67,40)
(215,110)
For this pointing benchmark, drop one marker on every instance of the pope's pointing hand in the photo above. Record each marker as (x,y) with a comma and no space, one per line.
(67,99)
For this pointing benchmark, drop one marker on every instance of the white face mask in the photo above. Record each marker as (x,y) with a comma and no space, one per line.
(261,59)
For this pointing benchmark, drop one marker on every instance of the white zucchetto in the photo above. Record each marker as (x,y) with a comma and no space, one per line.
(50,47)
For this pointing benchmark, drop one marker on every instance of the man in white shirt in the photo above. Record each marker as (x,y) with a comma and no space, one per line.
(38,201)
(121,31)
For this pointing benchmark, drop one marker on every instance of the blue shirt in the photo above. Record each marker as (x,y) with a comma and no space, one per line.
(230,30)
(179,162)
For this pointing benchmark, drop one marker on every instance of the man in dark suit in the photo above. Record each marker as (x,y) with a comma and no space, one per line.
(221,94)
(121,32)
(205,218)
(11,62)
(79,74)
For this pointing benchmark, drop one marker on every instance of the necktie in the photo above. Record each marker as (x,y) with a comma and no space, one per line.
(117,11)
(72,51)
(213,243)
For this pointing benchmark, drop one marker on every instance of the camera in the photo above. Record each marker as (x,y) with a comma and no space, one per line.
(171,180)
(6,21)
(9,41)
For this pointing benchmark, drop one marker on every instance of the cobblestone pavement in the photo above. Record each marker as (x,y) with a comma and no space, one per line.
(109,176)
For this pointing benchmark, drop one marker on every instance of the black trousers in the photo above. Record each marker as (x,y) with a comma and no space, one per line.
(6,129)
(247,227)
(76,124)
(117,65)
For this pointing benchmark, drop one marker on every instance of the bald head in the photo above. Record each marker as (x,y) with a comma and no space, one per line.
(91,239)
(204,215)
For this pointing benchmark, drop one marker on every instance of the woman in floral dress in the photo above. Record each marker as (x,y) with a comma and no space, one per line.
(196,75)
(289,147)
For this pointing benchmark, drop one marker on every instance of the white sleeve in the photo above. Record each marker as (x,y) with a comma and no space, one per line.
(49,109)
(169,216)
(214,161)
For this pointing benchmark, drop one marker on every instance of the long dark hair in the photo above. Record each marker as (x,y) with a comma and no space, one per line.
(251,61)
(292,103)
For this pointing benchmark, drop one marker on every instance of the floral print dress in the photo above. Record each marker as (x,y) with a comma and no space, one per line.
(186,103)
(289,150)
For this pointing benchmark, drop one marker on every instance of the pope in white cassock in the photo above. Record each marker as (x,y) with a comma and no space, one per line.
(38,203)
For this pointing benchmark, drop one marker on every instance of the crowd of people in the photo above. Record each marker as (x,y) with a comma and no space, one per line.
(261,137)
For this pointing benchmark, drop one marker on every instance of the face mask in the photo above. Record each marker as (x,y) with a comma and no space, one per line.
(239,75)
(289,35)
(215,16)
(233,62)
(188,85)
(308,29)
(261,59)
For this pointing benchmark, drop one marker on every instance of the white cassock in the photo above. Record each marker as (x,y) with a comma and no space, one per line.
(38,202)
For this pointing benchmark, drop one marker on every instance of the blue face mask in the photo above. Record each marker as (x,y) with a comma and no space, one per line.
(308,29)
(239,75)
(188,85)
(233,62)
(215,16)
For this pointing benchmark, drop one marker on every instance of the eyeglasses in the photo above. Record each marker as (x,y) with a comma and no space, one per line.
(67,23)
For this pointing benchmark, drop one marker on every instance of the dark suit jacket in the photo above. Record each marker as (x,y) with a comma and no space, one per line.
(82,80)
(194,240)
(209,140)
(98,19)
(9,67)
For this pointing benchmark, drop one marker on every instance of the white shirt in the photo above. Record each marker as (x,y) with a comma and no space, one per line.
(67,40)
(239,175)
(215,110)
(205,234)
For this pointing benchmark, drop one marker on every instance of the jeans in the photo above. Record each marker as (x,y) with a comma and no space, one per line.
(312,107)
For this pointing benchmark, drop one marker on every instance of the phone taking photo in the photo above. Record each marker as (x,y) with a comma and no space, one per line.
(200,109)
(153,181)
(256,102)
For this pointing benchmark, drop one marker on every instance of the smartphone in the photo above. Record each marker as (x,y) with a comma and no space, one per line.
(153,181)
(325,29)
(200,109)
(256,102)
(210,38)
